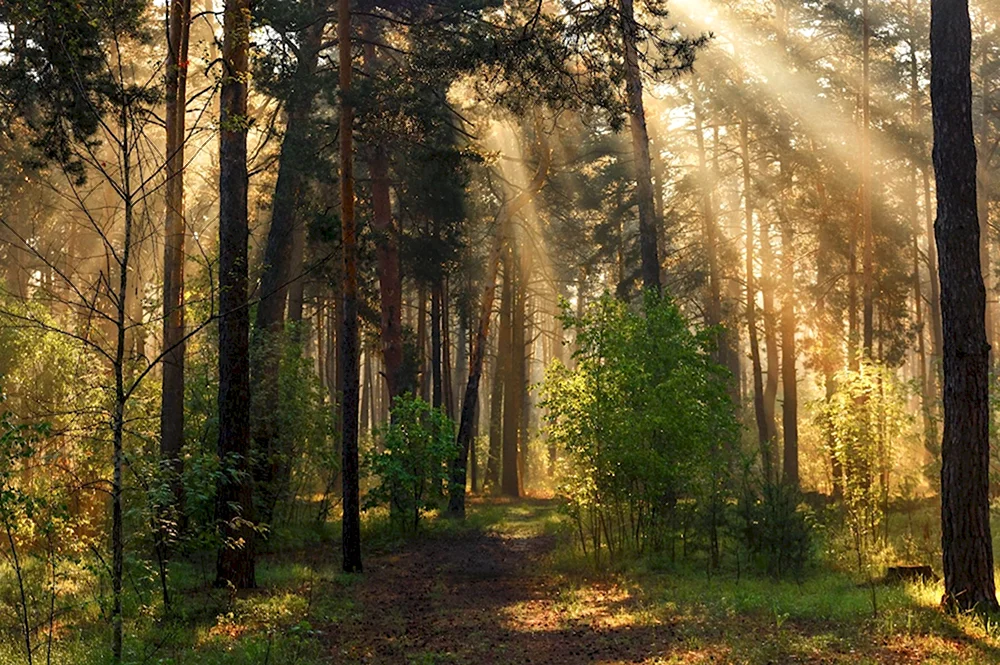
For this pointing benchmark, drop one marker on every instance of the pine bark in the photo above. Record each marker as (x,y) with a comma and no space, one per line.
(172,380)
(965,512)
(640,149)
(512,387)
(234,498)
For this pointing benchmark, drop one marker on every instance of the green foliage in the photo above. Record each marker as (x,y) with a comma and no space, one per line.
(773,527)
(642,418)
(864,422)
(416,448)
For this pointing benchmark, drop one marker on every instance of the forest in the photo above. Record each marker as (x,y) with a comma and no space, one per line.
(499,331)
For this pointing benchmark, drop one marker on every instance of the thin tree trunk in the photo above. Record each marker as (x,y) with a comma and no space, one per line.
(512,401)
(496,385)
(926,390)
(763,436)
(282,257)
(437,385)
(789,381)
(425,377)
(234,498)
(387,265)
(172,406)
(121,396)
(868,282)
(456,503)
(640,149)
(349,347)
(446,368)
(767,278)
(934,281)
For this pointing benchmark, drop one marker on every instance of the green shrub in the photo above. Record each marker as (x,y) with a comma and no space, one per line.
(412,463)
(643,417)
(773,527)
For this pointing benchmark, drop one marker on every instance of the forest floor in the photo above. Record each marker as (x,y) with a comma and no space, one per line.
(504,587)
(509,593)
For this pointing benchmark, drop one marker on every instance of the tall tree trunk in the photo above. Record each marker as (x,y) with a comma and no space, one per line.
(474,480)
(763,435)
(965,511)
(282,257)
(367,385)
(789,381)
(926,389)
(234,498)
(172,406)
(521,327)
(121,326)
(456,503)
(425,377)
(640,149)
(512,402)
(496,386)
(713,308)
(868,284)
(349,347)
(767,279)
(437,385)
(387,264)
(446,368)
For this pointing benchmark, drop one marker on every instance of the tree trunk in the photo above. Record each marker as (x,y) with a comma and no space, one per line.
(789,381)
(349,347)
(285,239)
(446,368)
(172,406)
(234,498)
(437,385)
(512,401)
(425,377)
(965,511)
(868,282)
(640,150)
(926,390)
(387,264)
(121,397)
(497,391)
(521,328)
(456,503)
(767,278)
(763,435)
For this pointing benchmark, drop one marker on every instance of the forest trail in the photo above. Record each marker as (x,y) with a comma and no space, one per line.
(490,597)
(499,596)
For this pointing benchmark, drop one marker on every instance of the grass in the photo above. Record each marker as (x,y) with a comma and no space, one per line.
(825,617)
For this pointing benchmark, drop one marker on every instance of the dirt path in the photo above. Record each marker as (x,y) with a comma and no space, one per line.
(494,598)
(483,599)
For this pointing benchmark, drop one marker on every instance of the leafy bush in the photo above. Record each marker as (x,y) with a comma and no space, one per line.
(643,418)
(412,463)
(865,421)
